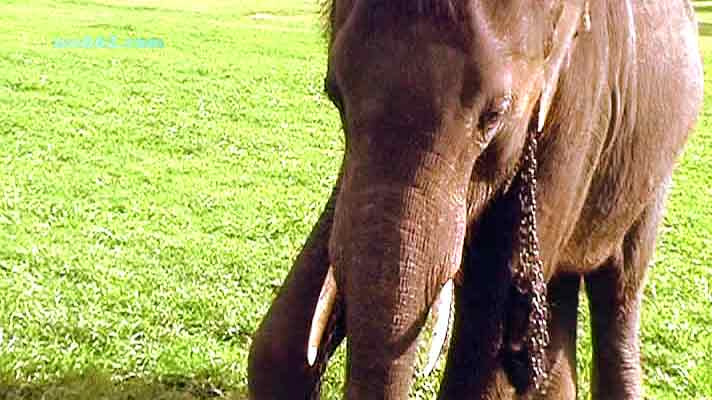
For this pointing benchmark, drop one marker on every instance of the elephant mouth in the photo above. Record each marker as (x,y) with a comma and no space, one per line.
(328,297)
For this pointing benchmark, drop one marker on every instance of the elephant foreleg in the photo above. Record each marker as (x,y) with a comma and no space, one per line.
(278,367)
(615,292)
(563,305)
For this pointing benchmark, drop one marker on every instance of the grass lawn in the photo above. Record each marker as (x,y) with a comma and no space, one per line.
(151,201)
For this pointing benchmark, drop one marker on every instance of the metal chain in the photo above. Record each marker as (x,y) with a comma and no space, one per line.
(529,277)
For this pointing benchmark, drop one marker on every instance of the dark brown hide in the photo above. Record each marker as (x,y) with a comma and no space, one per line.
(436,99)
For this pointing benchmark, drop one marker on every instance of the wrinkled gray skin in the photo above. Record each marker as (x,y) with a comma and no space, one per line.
(430,145)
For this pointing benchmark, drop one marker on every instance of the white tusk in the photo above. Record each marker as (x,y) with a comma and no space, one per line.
(324,306)
(544,109)
(442,325)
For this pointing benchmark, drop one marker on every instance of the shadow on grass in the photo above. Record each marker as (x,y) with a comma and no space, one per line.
(102,388)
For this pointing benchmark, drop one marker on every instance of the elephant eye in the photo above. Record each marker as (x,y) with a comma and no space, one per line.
(491,117)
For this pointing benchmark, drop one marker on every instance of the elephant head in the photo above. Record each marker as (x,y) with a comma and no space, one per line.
(437,99)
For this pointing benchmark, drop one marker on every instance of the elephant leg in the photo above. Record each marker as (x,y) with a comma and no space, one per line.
(563,296)
(278,366)
(615,292)
(473,370)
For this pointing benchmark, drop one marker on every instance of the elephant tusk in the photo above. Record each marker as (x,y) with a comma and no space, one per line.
(324,306)
(442,325)
(544,109)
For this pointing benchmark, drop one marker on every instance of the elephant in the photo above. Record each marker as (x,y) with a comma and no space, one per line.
(502,156)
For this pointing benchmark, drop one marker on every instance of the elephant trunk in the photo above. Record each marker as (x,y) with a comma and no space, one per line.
(393,248)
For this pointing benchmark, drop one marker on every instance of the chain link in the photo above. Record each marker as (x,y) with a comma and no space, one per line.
(529,277)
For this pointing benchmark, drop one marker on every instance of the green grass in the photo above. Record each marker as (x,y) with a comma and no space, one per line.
(151,201)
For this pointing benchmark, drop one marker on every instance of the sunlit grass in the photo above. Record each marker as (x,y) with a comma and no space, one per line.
(151,201)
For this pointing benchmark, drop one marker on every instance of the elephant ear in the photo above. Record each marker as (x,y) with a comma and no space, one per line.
(573,15)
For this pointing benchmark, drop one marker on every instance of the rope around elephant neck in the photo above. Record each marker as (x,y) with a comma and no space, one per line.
(529,276)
